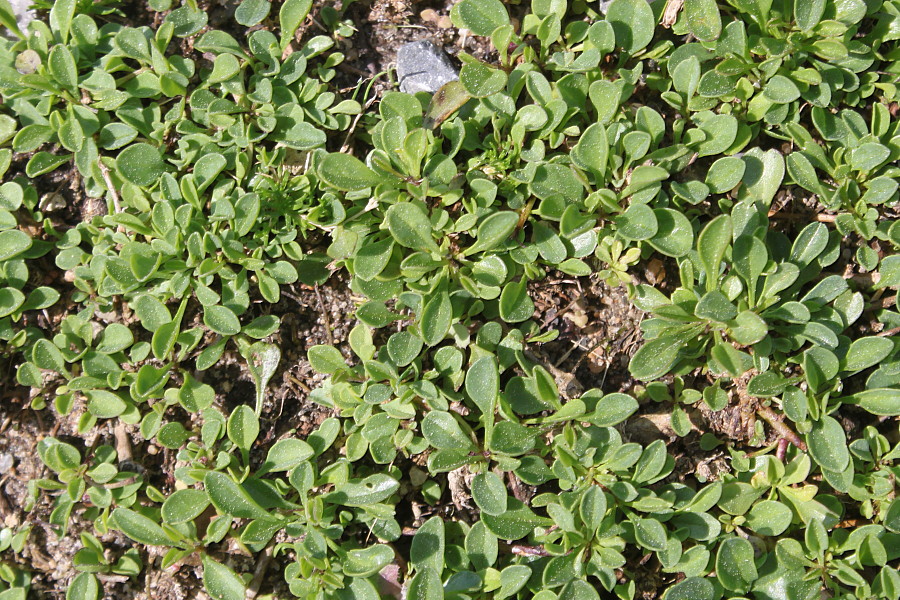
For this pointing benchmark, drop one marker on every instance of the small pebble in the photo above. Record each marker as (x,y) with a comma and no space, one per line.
(6,463)
(423,67)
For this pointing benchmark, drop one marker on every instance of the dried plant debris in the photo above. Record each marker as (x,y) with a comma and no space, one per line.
(609,312)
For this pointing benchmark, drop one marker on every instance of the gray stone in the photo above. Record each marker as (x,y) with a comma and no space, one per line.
(423,67)
(6,463)
(24,16)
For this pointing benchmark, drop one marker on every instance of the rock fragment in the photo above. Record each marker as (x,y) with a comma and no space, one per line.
(423,67)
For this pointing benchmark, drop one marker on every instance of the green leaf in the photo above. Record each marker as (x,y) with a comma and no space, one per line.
(286,454)
(346,172)
(715,306)
(427,549)
(725,174)
(592,508)
(133,44)
(703,19)
(371,490)
(769,518)
(62,66)
(152,313)
(436,318)
(633,24)
(140,528)
(748,328)
(221,583)
(492,231)
(140,164)
(187,20)
(592,150)
(693,588)
(184,505)
(735,566)
(443,432)
(232,499)
(83,587)
(781,90)
(808,13)
(44,162)
(12,243)
(481,546)
(481,80)
(481,17)
(802,172)
(612,409)
(763,174)
(262,362)
(410,227)
(243,427)
(326,359)
(290,17)
(404,347)
(637,223)
(674,236)
(489,493)
(711,245)
(10,301)
(882,401)
(869,156)
(252,12)
(650,534)
(61,15)
(372,259)
(578,589)
(515,303)
(425,585)
(867,352)
(828,444)
(172,435)
(483,386)
(512,438)
(104,404)
(892,516)
(656,357)
(8,19)
(47,356)
(365,562)
(221,319)
(515,523)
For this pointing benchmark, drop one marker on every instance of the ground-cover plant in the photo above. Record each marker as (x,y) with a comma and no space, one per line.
(749,148)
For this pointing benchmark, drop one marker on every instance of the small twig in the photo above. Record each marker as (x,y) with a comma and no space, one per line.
(820,217)
(555,315)
(260,572)
(782,449)
(123,443)
(345,147)
(889,332)
(117,206)
(520,550)
(302,385)
(769,416)
(325,319)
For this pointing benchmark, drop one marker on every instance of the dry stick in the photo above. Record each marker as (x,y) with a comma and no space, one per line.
(820,217)
(259,574)
(325,318)
(117,206)
(769,416)
(889,332)
(123,444)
